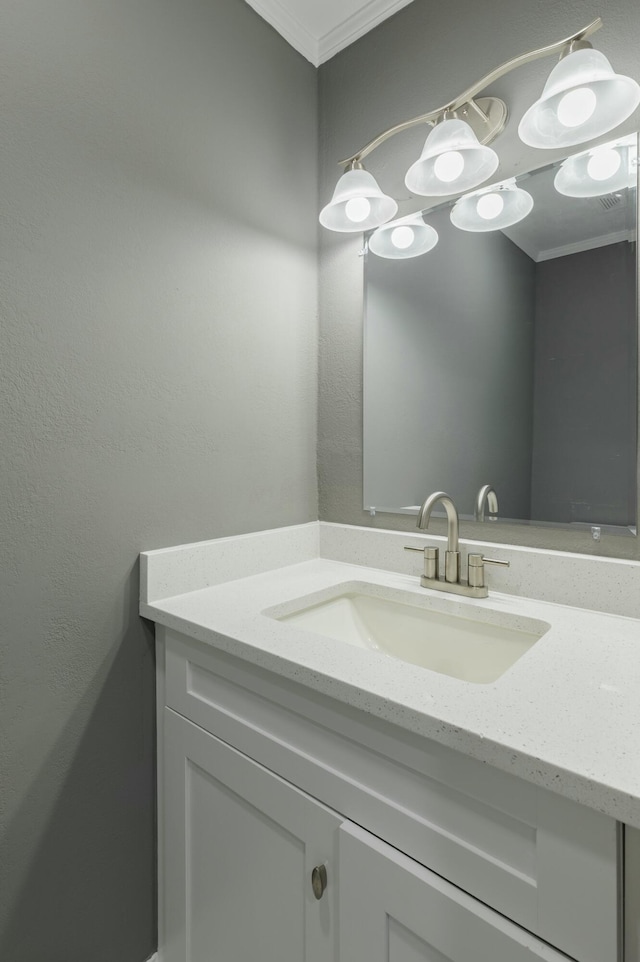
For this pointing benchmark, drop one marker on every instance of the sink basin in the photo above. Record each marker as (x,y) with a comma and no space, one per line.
(475,645)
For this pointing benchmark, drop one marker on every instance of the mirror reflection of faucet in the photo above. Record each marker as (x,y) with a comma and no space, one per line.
(487,501)
(475,586)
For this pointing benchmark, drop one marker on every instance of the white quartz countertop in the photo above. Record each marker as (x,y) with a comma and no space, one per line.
(565,716)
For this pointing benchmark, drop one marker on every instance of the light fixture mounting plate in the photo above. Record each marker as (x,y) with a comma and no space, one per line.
(487,121)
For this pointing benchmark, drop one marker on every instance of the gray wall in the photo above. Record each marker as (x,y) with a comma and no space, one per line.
(449,340)
(412,62)
(158,172)
(584,411)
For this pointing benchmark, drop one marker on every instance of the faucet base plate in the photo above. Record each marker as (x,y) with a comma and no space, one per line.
(454,587)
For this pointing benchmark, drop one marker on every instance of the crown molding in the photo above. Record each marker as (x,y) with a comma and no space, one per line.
(355,26)
(320,49)
(589,244)
(289,27)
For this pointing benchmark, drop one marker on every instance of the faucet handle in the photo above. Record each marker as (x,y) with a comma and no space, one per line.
(476,568)
(431,560)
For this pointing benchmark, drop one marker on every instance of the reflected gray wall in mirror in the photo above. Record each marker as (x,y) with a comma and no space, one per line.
(509,358)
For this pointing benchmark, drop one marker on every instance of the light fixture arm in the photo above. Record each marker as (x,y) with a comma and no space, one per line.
(467,97)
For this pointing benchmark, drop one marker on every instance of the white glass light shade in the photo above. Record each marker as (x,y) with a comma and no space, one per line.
(452,160)
(582,99)
(407,237)
(357,204)
(492,209)
(600,171)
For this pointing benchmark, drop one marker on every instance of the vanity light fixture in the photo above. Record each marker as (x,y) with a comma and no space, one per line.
(452,160)
(357,204)
(406,237)
(603,170)
(492,208)
(582,99)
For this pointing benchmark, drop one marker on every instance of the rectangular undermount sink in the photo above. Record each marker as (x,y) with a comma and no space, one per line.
(473,644)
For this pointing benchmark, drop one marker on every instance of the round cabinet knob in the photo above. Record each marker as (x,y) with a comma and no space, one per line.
(319,880)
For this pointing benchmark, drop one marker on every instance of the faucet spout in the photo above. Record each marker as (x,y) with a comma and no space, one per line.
(452,517)
(452,554)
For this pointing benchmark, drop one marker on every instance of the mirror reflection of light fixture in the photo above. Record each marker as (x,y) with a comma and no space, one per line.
(492,208)
(600,171)
(357,204)
(582,99)
(406,237)
(452,160)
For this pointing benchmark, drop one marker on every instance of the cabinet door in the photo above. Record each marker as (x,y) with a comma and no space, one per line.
(394,910)
(239,847)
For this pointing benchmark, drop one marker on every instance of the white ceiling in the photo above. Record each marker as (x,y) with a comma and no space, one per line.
(318,29)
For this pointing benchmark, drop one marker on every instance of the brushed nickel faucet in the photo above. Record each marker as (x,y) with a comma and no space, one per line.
(475,586)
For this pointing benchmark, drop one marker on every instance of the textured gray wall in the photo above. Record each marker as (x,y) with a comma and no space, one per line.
(584,412)
(412,62)
(450,346)
(158,170)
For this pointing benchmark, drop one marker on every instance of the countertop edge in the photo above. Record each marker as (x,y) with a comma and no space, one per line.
(611,801)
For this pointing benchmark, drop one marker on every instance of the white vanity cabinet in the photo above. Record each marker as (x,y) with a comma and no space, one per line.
(394,910)
(240,846)
(430,856)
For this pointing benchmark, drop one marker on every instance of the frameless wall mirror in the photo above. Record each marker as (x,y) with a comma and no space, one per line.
(509,357)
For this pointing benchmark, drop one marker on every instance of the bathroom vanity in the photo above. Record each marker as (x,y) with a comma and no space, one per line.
(319,800)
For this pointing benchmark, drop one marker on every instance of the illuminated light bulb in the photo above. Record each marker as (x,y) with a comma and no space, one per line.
(576,107)
(357,209)
(603,164)
(490,206)
(448,166)
(402,237)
